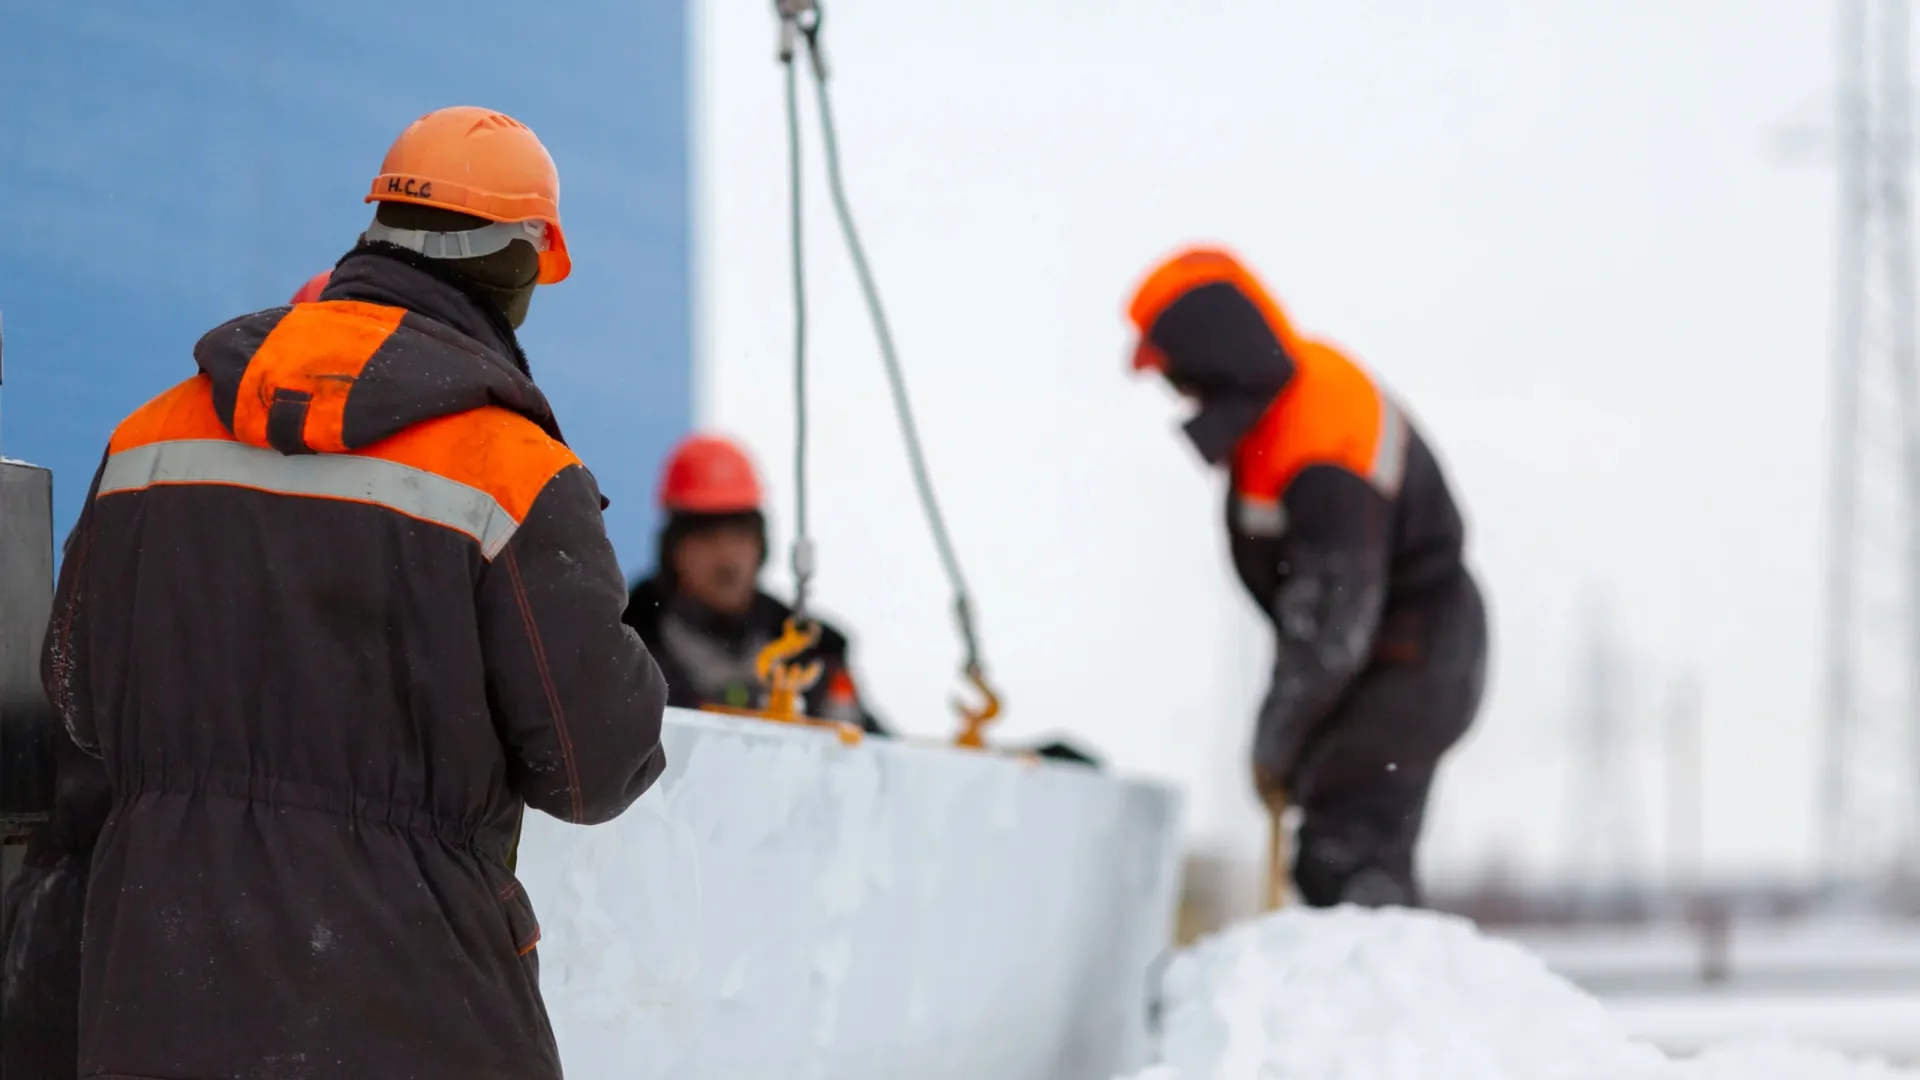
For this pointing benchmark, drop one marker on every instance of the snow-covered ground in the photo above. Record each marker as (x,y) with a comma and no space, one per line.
(1354,995)
(1786,955)
(1849,984)
(1883,1024)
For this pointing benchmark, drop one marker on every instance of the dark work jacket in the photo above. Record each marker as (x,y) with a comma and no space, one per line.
(1341,524)
(337,609)
(708,658)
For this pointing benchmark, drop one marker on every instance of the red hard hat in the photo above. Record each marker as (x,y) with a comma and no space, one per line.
(707,474)
(311,290)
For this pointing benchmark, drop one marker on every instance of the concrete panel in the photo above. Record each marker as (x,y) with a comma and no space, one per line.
(26,598)
(784,906)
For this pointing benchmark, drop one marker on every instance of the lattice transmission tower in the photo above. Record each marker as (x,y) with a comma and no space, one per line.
(1869,816)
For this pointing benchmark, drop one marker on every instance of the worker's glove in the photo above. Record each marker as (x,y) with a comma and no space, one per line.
(1270,787)
(1279,734)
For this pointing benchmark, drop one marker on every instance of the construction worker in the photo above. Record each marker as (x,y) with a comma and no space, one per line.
(702,613)
(40,930)
(1342,528)
(337,609)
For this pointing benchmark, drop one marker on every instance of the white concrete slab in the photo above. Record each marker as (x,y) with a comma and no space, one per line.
(784,906)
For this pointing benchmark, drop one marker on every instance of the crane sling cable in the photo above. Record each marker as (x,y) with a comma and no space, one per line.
(777,666)
(800,20)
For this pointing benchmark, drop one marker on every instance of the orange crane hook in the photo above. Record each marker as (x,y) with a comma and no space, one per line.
(787,682)
(973,721)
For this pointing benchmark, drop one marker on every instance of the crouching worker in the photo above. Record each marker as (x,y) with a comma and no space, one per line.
(337,609)
(702,613)
(1345,532)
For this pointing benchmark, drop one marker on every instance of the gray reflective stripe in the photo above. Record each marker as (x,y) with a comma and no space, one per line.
(414,492)
(1390,453)
(1262,517)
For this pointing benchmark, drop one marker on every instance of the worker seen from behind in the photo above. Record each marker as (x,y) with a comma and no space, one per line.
(1342,528)
(337,609)
(703,614)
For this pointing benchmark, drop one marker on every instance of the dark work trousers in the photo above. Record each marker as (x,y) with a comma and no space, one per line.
(1365,776)
(40,936)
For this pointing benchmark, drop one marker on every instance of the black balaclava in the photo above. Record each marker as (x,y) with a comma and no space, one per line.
(734,629)
(1221,349)
(681,524)
(498,332)
(505,280)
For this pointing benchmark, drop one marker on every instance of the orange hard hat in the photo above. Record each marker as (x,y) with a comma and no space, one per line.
(479,162)
(312,289)
(707,474)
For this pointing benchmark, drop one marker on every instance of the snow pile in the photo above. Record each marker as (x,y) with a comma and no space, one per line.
(1396,995)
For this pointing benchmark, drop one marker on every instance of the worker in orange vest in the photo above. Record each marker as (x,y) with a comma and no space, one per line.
(340,607)
(1343,529)
(702,613)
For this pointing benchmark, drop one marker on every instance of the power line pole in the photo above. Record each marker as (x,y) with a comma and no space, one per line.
(1871,766)
(1604,826)
(1685,789)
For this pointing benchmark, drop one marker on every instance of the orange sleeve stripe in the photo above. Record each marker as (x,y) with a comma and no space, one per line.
(183,412)
(319,349)
(841,687)
(493,449)
(1331,414)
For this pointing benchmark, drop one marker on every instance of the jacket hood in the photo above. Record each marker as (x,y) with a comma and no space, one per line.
(387,346)
(1212,329)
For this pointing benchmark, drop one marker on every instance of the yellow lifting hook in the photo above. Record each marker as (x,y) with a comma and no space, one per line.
(974,721)
(787,681)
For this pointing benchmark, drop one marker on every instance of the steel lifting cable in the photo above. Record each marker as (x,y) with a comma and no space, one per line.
(786,678)
(800,19)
